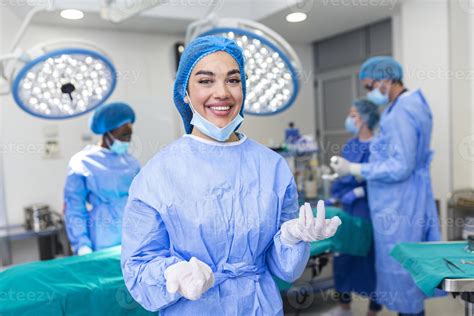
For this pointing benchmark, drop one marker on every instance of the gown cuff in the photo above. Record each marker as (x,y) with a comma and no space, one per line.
(355,169)
(157,271)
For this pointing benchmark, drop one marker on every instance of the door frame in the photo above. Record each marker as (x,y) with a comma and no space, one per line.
(321,132)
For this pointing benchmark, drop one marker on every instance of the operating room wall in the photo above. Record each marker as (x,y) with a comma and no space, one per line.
(8,23)
(468,140)
(424,53)
(461,52)
(145,80)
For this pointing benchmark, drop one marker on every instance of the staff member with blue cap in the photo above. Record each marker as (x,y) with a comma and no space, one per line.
(356,273)
(213,216)
(100,176)
(398,180)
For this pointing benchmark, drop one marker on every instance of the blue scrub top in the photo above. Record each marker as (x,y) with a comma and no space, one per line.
(354,273)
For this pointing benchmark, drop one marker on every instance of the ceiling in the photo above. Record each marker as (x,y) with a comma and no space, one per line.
(325,17)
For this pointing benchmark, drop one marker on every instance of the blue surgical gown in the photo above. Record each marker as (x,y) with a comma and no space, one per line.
(95,195)
(222,203)
(354,273)
(400,196)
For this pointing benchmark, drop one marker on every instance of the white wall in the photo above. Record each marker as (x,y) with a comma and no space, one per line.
(421,44)
(145,65)
(8,23)
(466,145)
(461,33)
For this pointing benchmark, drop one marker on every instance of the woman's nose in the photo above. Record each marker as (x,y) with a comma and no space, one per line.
(221,91)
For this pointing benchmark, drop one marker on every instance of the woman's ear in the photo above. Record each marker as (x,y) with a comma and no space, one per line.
(186,97)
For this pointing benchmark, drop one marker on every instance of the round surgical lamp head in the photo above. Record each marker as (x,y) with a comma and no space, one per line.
(63,83)
(272,65)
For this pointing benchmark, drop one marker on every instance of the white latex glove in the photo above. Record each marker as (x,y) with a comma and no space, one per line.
(308,228)
(343,167)
(84,250)
(191,279)
(340,165)
(359,192)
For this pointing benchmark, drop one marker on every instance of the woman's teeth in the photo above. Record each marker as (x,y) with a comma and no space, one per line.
(220,108)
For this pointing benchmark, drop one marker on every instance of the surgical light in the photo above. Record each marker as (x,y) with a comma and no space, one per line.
(57,79)
(272,65)
(64,83)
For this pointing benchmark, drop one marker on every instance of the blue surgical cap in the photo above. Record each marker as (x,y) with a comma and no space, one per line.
(368,111)
(381,67)
(111,116)
(193,53)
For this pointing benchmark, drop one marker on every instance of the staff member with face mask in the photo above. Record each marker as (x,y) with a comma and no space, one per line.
(398,178)
(100,176)
(355,273)
(213,216)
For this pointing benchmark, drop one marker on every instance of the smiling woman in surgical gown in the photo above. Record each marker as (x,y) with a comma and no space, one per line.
(211,217)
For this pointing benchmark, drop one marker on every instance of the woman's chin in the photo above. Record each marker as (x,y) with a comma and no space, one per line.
(220,121)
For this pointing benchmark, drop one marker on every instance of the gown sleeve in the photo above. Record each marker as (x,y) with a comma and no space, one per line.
(284,261)
(146,250)
(75,211)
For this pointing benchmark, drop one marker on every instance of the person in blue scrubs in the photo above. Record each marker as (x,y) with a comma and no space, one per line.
(212,217)
(98,180)
(356,273)
(398,180)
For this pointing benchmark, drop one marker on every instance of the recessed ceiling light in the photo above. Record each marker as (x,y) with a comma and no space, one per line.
(72,14)
(296,17)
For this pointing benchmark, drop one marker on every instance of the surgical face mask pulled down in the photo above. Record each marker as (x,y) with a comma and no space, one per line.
(218,133)
(118,147)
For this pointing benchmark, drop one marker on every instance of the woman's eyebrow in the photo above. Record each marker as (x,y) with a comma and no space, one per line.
(210,73)
(233,72)
(205,73)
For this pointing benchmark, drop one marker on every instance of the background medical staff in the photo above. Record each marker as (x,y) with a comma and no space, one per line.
(100,175)
(356,273)
(398,180)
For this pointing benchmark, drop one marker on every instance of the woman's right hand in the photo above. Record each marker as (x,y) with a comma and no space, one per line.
(191,279)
